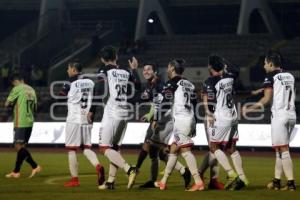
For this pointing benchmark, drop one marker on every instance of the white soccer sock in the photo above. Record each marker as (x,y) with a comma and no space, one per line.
(192,164)
(238,165)
(287,165)
(180,167)
(169,167)
(73,164)
(91,156)
(116,158)
(278,166)
(205,164)
(214,167)
(112,173)
(224,162)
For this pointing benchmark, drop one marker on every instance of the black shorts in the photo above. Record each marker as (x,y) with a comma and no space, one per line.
(22,135)
(161,124)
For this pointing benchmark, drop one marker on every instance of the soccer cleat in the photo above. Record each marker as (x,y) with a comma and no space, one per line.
(131,177)
(290,186)
(148,184)
(239,184)
(186,177)
(74,182)
(196,187)
(274,184)
(231,180)
(160,185)
(13,175)
(107,186)
(100,174)
(214,184)
(34,171)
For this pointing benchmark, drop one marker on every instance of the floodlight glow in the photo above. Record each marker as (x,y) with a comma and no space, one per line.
(150,20)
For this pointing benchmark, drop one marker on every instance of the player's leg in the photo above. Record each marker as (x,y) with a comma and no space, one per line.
(205,161)
(163,137)
(287,163)
(219,135)
(145,149)
(86,131)
(35,167)
(242,181)
(111,133)
(153,155)
(236,159)
(72,143)
(184,171)
(210,161)
(172,159)
(22,153)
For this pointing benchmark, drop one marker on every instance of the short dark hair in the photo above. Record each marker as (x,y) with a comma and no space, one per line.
(274,57)
(108,53)
(152,64)
(178,64)
(77,65)
(15,76)
(216,62)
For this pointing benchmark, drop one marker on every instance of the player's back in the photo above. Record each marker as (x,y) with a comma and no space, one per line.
(117,79)
(25,106)
(79,100)
(283,94)
(184,98)
(225,111)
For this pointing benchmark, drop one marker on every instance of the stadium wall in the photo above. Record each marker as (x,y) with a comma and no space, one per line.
(53,133)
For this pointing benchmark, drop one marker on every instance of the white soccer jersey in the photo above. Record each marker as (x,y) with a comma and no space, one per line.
(116,80)
(179,94)
(283,84)
(225,110)
(183,97)
(79,100)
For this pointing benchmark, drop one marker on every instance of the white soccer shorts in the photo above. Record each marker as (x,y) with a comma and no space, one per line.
(223,134)
(183,127)
(281,130)
(77,135)
(112,131)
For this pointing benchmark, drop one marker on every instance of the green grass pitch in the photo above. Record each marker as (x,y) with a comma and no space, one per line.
(49,183)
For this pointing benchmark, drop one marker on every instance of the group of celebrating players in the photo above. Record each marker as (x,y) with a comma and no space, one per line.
(172,113)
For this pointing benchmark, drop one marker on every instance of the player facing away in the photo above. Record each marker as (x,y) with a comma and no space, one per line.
(222,123)
(179,93)
(279,86)
(115,84)
(209,101)
(78,131)
(23,99)
(155,143)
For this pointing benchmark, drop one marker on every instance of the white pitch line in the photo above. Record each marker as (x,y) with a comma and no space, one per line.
(52,181)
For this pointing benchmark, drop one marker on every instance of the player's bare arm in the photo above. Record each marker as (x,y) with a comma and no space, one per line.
(268,92)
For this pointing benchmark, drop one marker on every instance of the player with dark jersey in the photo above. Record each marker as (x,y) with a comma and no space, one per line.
(279,87)
(156,143)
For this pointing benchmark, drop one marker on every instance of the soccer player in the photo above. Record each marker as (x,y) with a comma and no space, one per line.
(116,80)
(179,93)
(223,122)
(78,130)
(154,143)
(279,86)
(209,100)
(23,99)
